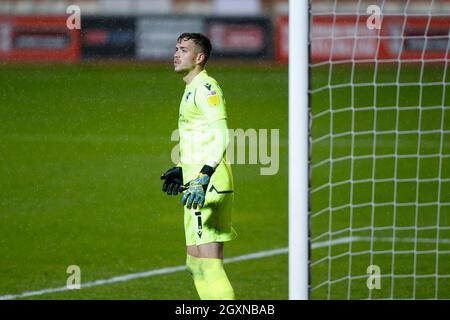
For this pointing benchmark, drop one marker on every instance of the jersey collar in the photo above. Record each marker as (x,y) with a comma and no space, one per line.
(199,78)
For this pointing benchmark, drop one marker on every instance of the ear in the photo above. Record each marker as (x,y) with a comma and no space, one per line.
(200,58)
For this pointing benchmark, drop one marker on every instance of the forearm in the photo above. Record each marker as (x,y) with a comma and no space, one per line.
(195,194)
(219,129)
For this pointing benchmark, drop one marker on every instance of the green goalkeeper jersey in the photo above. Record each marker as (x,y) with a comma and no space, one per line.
(202,104)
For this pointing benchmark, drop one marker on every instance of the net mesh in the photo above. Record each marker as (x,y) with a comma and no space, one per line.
(380,150)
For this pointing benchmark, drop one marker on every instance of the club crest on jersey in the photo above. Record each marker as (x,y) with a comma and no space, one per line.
(188,95)
(213,98)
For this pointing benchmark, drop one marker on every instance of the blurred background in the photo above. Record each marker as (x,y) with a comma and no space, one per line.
(141,29)
(144,30)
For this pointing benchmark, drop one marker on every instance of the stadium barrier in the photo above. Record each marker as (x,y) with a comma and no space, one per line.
(348,38)
(231,37)
(108,37)
(38,39)
(139,37)
(241,37)
(152,37)
(156,35)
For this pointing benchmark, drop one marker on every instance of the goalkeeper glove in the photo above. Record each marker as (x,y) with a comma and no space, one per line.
(196,189)
(173,180)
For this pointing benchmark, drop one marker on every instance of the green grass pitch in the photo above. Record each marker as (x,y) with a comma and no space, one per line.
(82,148)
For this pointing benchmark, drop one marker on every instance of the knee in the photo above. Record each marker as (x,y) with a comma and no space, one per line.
(193,265)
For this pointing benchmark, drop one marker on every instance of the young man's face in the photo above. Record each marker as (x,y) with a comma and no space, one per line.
(186,56)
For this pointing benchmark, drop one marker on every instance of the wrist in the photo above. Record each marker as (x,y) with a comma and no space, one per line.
(208,170)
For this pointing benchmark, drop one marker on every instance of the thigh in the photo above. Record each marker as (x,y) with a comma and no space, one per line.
(212,223)
(212,250)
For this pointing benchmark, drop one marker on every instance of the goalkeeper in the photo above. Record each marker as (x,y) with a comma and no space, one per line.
(207,194)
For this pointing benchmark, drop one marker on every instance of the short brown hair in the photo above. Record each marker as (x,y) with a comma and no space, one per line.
(200,40)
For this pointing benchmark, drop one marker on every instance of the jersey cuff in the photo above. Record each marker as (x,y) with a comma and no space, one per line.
(211,163)
(207,170)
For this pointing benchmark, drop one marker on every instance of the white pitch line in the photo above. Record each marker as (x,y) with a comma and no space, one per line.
(146,274)
(323,244)
(410,240)
(251,256)
(344,240)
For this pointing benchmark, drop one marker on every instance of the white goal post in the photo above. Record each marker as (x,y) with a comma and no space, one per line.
(298,149)
(369,149)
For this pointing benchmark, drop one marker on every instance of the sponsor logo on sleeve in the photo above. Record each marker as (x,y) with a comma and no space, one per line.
(213,98)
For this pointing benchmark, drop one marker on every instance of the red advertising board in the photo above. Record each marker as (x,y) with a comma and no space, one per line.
(348,38)
(38,39)
(419,33)
(282,39)
(342,38)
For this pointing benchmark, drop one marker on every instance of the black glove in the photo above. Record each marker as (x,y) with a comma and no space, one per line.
(173,180)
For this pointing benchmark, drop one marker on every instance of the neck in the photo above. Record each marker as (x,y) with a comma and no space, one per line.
(191,74)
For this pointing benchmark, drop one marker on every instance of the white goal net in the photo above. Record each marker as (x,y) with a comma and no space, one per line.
(380,149)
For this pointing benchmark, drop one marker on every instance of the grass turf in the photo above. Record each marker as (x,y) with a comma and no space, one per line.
(83,147)
(82,150)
